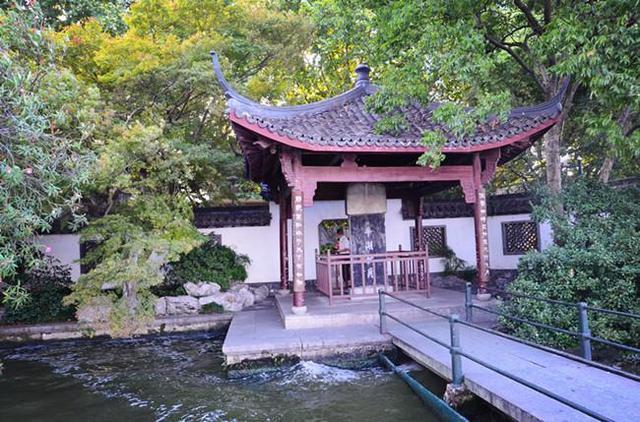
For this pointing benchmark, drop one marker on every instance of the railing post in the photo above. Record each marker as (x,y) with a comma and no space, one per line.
(585,333)
(468,302)
(382,310)
(456,360)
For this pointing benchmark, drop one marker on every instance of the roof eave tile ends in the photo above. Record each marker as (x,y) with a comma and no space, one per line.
(344,123)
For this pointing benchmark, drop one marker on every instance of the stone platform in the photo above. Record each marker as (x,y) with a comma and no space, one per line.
(344,312)
(255,335)
(325,330)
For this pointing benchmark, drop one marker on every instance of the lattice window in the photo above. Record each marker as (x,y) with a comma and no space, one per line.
(519,237)
(435,237)
(215,238)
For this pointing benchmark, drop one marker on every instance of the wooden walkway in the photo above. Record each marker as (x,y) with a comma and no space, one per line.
(613,396)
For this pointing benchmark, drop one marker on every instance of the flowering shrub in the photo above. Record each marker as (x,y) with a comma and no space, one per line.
(46,118)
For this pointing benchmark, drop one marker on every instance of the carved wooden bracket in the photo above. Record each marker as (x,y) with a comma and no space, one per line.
(469,190)
(308,187)
(286,165)
(349,161)
(263,143)
(490,163)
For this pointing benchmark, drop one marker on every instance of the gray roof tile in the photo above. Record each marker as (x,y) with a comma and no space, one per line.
(345,121)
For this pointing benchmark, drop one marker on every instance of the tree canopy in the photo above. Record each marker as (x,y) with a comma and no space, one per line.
(48,119)
(492,55)
(110,116)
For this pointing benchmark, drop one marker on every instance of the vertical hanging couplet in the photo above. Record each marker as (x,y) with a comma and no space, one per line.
(480,220)
(297,218)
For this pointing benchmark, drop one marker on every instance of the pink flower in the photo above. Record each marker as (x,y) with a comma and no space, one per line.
(8,170)
(28,171)
(48,249)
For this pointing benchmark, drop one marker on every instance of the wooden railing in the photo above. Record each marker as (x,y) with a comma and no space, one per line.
(348,276)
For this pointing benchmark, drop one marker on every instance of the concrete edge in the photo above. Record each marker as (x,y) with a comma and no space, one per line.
(75,330)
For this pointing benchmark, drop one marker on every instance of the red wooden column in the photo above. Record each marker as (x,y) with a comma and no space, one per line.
(297,250)
(480,220)
(284,249)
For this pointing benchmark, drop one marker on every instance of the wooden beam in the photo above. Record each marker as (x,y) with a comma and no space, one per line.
(306,178)
(351,174)
(310,176)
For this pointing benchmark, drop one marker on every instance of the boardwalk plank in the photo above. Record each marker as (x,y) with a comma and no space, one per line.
(611,395)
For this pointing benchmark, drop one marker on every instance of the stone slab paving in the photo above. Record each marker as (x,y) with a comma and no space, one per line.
(345,312)
(261,334)
(611,395)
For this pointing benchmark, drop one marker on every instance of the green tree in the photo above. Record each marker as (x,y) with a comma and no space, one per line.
(169,145)
(486,54)
(596,259)
(57,14)
(47,119)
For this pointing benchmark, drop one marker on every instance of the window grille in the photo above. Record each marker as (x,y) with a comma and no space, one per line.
(519,237)
(215,238)
(435,237)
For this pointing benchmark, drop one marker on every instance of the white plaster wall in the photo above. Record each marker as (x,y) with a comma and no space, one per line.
(260,243)
(460,238)
(460,233)
(497,259)
(64,247)
(321,210)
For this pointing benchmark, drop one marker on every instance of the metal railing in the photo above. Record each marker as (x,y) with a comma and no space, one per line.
(583,334)
(457,375)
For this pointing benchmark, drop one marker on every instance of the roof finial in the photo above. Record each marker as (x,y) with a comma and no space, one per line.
(362,72)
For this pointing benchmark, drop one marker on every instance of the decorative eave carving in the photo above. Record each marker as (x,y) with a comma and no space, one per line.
(232,216)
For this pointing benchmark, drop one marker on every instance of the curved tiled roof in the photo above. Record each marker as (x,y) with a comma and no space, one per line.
(343,122)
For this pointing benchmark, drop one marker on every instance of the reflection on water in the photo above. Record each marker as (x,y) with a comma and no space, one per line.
(181,378)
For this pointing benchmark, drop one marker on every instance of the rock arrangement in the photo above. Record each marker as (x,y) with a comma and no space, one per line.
(239,296)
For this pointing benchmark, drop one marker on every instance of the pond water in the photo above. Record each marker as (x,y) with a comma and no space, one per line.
(182,378)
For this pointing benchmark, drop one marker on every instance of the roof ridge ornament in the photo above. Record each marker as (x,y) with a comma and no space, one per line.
(229,92)
(242,105)
(362,74)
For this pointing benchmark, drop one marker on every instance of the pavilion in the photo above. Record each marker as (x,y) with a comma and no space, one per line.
(330,150)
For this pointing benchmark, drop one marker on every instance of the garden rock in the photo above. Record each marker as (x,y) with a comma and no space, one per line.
(161,306)
(96,312)
(182,305)
(261,293)
(246,297)
(237,286)
(109,286)
(201,289)
(232,302)
(217,299)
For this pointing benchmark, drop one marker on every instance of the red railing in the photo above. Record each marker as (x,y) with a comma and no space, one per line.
(348,276)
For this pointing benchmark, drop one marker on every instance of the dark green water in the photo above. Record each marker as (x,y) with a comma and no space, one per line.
(181,378)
